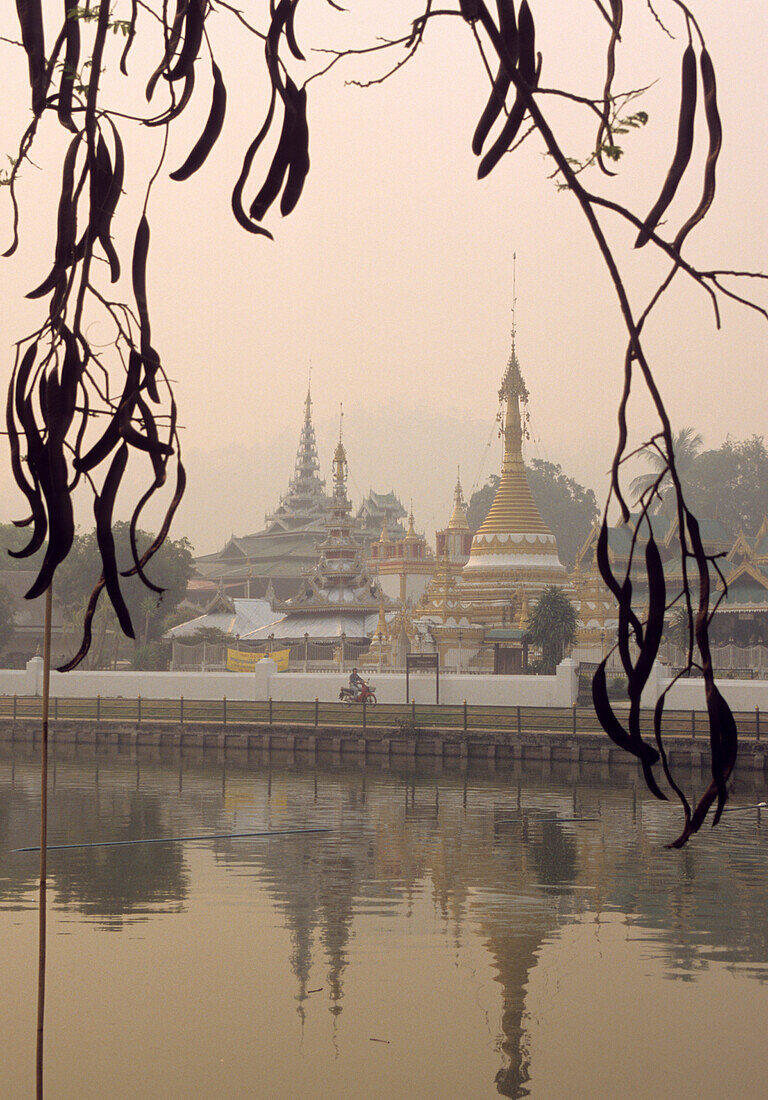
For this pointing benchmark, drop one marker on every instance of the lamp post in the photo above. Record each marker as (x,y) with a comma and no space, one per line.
(343,643)
(458,669)
(306,651)
(379,637)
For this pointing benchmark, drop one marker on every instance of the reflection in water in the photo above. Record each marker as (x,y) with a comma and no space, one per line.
(509,858)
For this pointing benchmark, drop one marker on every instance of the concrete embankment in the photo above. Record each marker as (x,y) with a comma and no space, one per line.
(380,742)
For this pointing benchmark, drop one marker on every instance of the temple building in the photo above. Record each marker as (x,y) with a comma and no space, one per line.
(339,603)
(477,616)
(271,562)
(741,619)
(454,542)
(403,566)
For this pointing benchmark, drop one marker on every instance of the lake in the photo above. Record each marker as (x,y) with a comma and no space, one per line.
(455,932)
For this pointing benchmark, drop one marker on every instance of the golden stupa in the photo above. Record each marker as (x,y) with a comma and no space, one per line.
(514,553)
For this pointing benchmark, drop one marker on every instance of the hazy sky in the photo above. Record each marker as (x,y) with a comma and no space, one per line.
(393,277)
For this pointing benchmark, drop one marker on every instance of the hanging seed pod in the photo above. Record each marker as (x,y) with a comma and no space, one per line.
(715,128)
(682,150)
(495,104)
(71,61)
(210,134)
(30,15)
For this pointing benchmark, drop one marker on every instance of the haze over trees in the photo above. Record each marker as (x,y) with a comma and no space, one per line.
(728,483)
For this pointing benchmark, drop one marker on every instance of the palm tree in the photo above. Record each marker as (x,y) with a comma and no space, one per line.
(552,625)
(686,446)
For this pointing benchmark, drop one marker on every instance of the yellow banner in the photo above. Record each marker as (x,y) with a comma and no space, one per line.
(238,661)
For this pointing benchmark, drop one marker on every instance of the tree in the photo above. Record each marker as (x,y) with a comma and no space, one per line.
(552,626)
(686,446)
(568,508)
(731,484)
(7,616)
(170,569)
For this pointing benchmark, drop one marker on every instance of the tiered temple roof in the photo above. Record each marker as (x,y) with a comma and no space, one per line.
(339,595)
(303,506)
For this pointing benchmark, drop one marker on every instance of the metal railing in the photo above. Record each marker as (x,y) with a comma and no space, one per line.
(409,718)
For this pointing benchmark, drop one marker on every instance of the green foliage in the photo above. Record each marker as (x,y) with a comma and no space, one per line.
(15,538)
(7,616)
(731,484)
(608,149)
(568,508)
(153,656)
(171,568)
(552,626)
(211,635)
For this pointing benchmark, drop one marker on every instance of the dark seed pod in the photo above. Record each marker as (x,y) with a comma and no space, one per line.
(470,10)
(67,225)
(71,61)
(682,150)
(210,134)
(30,15)
(129,37)
(103,508)
(299,166)
(715,144)
(493,108)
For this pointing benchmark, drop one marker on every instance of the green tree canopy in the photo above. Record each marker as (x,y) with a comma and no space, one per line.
(7,617)
(568,508)
(552,625)
(170,568)
(731,484)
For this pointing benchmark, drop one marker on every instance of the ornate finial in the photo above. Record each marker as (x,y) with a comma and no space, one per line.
(340,460)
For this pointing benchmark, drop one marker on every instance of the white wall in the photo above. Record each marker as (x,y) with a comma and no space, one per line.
(542,691)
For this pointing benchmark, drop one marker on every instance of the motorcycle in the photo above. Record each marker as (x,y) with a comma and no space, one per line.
(366,694)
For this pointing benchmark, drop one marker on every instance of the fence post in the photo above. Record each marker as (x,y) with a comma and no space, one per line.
(693,723)
(757,723)
(224,711)
(573,719)
(364,706)
(465,715)
(14,706)
(317,712)
(98,709)
(56,709)
(413,711)
(270,710)
(138,710)
(181,710)
(519,723)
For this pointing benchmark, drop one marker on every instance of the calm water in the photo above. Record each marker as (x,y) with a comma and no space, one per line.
(454,934)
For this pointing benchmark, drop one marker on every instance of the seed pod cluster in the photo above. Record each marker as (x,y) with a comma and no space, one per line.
(519,41)
(290,161)
(638,645)
(64,420)
(684,147)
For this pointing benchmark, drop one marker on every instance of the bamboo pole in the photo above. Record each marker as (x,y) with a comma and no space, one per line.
(42,910)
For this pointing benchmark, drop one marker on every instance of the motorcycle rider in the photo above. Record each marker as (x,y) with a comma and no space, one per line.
(356,683)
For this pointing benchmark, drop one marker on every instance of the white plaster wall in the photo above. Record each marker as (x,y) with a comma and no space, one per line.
(17,681)
(525,691)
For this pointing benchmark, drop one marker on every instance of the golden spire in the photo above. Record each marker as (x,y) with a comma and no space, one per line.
(513,510)
(411,535)
(458,520)
(384,536)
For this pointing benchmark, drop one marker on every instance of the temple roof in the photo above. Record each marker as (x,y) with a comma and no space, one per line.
(305,502)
